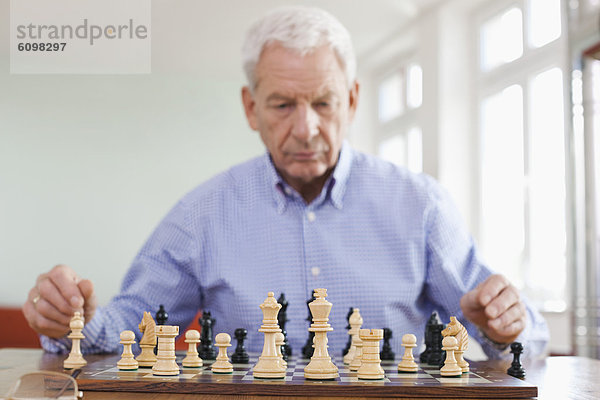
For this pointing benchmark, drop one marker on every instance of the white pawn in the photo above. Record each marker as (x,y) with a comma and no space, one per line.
(75,359)
(408,364)
(222,365)
(451,367)
(127,361)
(280,341)
(358,346)
(192,360)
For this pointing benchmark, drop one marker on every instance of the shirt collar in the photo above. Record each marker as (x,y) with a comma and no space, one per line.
(334,188)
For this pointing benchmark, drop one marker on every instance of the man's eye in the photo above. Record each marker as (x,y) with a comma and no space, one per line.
(282,106)
(322,104)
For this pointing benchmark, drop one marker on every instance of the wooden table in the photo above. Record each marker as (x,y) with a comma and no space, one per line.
(556,377)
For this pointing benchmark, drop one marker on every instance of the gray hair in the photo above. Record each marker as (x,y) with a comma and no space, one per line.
(302,29)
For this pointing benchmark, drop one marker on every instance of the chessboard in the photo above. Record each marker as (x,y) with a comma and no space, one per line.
(481,382)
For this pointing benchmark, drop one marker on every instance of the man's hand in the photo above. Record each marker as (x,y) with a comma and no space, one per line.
(495,307)
(55,297)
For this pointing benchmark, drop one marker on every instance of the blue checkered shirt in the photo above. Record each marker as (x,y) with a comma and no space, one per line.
(378,237)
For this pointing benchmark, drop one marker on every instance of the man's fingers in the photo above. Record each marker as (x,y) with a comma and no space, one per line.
(48,311)
(491,288)
(470,300)
(65,279)
(87,289)
(515,313)
(40,323)
(49,327)
(48,291)
(506,299)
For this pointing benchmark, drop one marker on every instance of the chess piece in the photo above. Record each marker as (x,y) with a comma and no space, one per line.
(435,349)
(165,363)
(207,350)
(370,366)
(147,358)
(161,315)
(192,360)
(75,359)
(434,320)
(349,342)
(222,365)
(451,367)
(456,329)
(386,350)
(308,349)
(320,365)
(408,364)
(356,322)
(240,356)
(516,369)
(127,362)
(280,342)
(286,350)
(268,365)
(358,350)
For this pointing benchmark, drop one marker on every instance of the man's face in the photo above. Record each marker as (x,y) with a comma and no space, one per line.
(302,107)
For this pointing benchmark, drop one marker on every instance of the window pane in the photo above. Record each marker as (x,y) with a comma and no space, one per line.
(391,94)
(394,150)
(502,39)
(414,86)
(547,187)
(503,231)
(544,22)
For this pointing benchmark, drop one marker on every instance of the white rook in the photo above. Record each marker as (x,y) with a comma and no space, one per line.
(370,366)
(165,354)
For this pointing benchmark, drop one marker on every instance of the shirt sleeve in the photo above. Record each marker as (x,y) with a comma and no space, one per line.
(163,272)
(454,268)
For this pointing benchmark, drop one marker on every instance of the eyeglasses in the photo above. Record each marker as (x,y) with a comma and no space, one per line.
(44,385)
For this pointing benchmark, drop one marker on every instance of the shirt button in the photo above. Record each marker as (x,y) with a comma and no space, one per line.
(311,216)
(315,271)
(287,191)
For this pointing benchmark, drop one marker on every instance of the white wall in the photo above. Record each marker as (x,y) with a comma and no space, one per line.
(90,163)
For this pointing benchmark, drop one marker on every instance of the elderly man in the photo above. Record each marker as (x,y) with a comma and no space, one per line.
(312,212)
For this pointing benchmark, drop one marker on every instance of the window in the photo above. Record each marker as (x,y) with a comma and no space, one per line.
(522,145)
(502,39)
(544,22)
(503,166)
(405,150)
(399,138)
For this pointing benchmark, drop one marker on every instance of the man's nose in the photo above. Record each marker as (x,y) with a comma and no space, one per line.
(305,123)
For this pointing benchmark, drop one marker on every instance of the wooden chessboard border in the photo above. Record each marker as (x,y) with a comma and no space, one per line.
(95,377)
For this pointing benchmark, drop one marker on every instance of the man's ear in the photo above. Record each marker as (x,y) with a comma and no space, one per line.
(353,100)
(249,107)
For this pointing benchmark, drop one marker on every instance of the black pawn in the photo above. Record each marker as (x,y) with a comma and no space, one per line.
(240,356)
(286,349)
(349,343)
(436,354)
(161,315)
(516,369)
(308,349)
(386,349)
(433,320)
(207,350)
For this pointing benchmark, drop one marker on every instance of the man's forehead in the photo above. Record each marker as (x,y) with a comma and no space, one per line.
(288,72)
